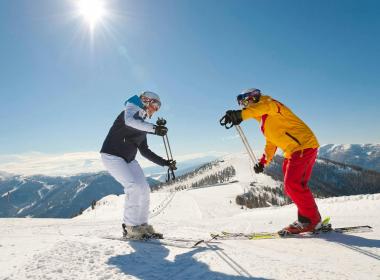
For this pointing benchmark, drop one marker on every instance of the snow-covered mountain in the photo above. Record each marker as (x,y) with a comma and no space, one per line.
(43,196)
(60,197)
(363,155)
(64,197)
(184,167)
(329,179)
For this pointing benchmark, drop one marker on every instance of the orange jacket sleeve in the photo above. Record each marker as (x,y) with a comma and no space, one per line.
(269,151)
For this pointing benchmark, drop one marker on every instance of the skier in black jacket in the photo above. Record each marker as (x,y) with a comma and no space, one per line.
(126,136)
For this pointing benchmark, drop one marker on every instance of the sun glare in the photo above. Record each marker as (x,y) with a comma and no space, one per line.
(92,11)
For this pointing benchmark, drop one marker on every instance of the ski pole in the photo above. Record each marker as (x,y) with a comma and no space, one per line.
(168,150)
(169,156)
(246,144)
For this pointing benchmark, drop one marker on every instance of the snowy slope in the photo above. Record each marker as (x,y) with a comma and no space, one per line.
(75,249)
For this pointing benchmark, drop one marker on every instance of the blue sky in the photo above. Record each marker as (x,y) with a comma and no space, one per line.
(61,87)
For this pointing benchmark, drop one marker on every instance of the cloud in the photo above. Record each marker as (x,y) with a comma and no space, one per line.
(51,164)
(67,164)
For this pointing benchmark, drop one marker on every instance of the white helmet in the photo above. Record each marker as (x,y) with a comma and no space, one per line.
(149,97)
(150,94)
(151,101)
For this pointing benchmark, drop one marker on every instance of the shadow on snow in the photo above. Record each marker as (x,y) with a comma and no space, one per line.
(149,262)
(354,242)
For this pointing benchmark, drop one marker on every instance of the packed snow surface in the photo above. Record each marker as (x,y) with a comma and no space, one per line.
(75,248)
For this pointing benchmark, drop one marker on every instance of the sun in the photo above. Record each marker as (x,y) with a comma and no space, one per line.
(92,11)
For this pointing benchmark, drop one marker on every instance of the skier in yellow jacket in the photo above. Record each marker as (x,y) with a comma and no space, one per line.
(283,129)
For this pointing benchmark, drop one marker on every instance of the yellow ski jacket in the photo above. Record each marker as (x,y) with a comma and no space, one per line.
(281,127)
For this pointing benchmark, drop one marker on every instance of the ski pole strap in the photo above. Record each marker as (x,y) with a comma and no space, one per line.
(173,175)
(223,122)
(170,175)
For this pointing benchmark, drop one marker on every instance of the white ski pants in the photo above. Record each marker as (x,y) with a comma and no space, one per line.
(136,188)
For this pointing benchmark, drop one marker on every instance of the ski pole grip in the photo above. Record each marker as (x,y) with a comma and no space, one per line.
(161,121)
(223,122)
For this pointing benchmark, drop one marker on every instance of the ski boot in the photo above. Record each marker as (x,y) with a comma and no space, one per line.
(298,227)
(134,232)
(324,227)
(151,232)
(301,227)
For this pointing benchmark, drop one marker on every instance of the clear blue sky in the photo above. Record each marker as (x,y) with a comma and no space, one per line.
(61,88)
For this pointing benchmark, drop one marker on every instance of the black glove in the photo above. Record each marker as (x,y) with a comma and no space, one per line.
(160,130)
(259,168)
(171,164)
(234,117)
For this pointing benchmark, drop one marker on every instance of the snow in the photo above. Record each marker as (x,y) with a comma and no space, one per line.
(74,248)
(27,207)
(9,192)
(82,186)
(45,186)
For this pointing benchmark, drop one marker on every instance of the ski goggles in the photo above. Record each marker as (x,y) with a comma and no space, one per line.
(151,103)
(245,98)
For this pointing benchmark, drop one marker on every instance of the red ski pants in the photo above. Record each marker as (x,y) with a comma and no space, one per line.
(297,171)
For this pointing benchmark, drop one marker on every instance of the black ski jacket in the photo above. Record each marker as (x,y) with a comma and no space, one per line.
(124,141)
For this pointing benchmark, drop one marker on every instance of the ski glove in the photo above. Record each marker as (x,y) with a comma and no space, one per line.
(259,168)
(160,130)
(234,117)
(171,164)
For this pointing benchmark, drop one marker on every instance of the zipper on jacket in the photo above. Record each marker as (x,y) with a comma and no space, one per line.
(294,138)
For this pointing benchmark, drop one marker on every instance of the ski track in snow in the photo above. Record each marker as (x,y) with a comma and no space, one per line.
(74,248)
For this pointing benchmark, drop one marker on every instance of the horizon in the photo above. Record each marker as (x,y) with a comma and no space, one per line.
(71,164)
(67,73)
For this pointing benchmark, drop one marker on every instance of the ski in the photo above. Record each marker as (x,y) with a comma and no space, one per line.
(174,242)
(325,228)
(275,235)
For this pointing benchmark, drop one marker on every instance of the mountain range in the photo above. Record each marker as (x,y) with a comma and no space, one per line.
(64,197)
(366,156)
